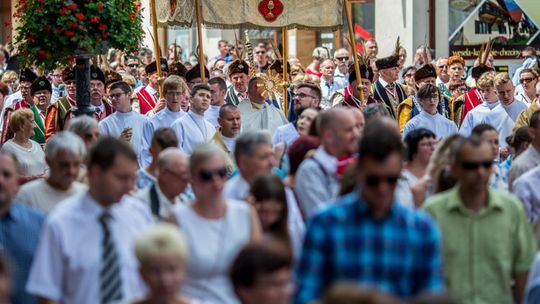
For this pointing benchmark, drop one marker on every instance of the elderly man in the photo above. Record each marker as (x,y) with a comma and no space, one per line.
(87,128)
(342,57)
(99,104)
(193,129)
(328,85)
(20,227)
(238,72)
(372,49)
(256,113)
(41,94)
(230,125)
(386,89)
(253,155)
(172,180)
(488,245)
(64,155)
(317,180)
(59,113)
(95,262)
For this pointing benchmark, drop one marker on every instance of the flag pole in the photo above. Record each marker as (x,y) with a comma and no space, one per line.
(156,47)
(284,42)
(202,62)
(354,51)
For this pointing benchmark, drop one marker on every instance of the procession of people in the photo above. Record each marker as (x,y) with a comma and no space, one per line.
(206,182)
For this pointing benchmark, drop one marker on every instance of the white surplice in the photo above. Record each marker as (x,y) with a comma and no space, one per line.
(438,124)
(163,119)
(504,118)
(286,134)
(479,115)
(114,124)
(192,129)
(260,117)
(212,115)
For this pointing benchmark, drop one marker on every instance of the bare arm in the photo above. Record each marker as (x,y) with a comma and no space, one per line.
(519,286)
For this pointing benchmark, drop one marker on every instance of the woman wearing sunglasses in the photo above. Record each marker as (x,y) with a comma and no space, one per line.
(528,78)
(216,228)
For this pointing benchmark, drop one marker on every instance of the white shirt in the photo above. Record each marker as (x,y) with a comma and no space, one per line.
(527,190)
(236,188)
(38,194)
(163,119)
(295,223)
(192,129)
(67,263)
(438,124)
(254,118)
(31,160)
(478,115)
(166,206)
(327,90)
(504,123)
(212,115)
(114,124)
(285,134)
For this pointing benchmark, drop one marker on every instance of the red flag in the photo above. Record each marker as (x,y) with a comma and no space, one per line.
(360,31)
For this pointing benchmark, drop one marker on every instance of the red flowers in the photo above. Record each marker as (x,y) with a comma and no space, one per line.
(41,1)
(73,25)
(46,28)
(80,16)
(100,6)
(69,34)
(94,20)
(42,53)
(101,27)
(63,11)
(132,16)
(72,6)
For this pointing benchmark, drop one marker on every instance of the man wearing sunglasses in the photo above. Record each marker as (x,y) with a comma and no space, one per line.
(342,59)
(367,237)
(487,241)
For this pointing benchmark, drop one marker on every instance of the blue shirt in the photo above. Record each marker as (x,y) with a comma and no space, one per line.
(19,235)
(400,254)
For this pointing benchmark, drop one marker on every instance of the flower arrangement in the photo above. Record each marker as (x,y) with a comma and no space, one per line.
(51,32)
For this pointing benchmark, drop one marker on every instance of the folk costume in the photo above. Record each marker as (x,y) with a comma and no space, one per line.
(58,113)
(233,96)
(148,96)
(391,94)
(345,96)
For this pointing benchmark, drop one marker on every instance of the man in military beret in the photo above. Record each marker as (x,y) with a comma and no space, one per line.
(148,96)
(193,76)
(410,107)
(17,100)
(59,113)
(98,102)
(349,96)
(386,89)
(238,72)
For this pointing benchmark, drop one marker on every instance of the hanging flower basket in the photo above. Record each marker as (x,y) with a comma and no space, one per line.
(51,32)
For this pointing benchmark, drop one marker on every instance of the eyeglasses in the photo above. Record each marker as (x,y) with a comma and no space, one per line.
(114,96)
(208,175)
(302,95)
(472,166)
(444,66)
(374,181)
(409,75)
(260,52)
(526,80)
(133,65)
(345,58)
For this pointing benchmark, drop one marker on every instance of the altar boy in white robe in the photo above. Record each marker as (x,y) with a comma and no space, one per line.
(486,111)
(125,123)
(256,114)
(174,90)
(430,118)
(193,129)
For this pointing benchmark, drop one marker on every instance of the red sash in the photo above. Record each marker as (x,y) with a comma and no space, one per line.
(147,101)
(472,99)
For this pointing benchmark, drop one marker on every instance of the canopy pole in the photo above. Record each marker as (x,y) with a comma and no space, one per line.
(156,47)
(202,62)
(354,51)
(284,42)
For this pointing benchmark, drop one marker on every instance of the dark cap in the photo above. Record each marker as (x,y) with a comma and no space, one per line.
(195,72)
(366,72)
(96,74)
(68,74)
(387,62)
(277,66)
(152,68)
(40,84)
(111,77)
(478,71)
(178,69)
(238,66)
(27,75)
(426,71)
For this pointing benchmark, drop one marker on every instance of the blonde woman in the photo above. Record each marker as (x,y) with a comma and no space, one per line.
(162,252)
(29,154)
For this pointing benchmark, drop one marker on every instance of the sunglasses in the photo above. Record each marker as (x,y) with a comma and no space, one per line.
(133,65)
(472,166)
(342,58)
(526,80)
(208,175)
(374,181)
(260,53)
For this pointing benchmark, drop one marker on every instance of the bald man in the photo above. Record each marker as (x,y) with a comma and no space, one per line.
(172,181)
(317,179)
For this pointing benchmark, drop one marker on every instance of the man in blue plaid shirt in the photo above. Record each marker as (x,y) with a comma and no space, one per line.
(369,238)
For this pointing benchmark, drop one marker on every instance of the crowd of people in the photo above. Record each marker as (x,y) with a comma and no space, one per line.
(410,184)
